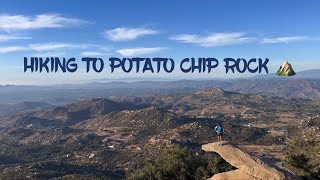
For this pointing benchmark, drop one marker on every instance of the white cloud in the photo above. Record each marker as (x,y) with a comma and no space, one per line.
(125,34)
(57,49)
(13,37)
(287,39)
(21,22)
(49,54)
(56,46)
(139,51)
(214,39)
(93,53)
(9,49)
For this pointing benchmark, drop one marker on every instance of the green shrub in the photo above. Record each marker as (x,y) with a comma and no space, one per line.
(302,156)
(178,163)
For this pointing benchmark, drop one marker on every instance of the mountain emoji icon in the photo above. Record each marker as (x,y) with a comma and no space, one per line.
(286,69)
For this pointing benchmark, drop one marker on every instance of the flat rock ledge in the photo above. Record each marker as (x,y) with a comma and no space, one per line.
(248,167)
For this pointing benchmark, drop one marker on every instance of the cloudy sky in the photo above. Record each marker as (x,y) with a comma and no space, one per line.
(270,29)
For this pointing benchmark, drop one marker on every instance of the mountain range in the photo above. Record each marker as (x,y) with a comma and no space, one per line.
(110,138)
(308,86)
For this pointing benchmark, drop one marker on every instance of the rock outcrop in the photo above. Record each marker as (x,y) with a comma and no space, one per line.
(248,167)
(235,174)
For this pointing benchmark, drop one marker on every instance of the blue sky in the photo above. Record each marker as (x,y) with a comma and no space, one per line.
(276,30)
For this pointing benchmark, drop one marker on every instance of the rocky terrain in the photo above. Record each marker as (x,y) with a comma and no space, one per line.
(66,114)
(22,107)
(111,138)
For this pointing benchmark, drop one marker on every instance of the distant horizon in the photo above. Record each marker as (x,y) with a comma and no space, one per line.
(147,79)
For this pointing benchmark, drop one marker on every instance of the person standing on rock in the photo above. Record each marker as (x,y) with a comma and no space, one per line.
(219,131)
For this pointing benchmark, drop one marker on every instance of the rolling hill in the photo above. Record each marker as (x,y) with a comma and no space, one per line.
(103,138)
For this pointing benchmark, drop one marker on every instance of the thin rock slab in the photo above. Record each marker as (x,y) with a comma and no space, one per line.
(244,162)
(233,175)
